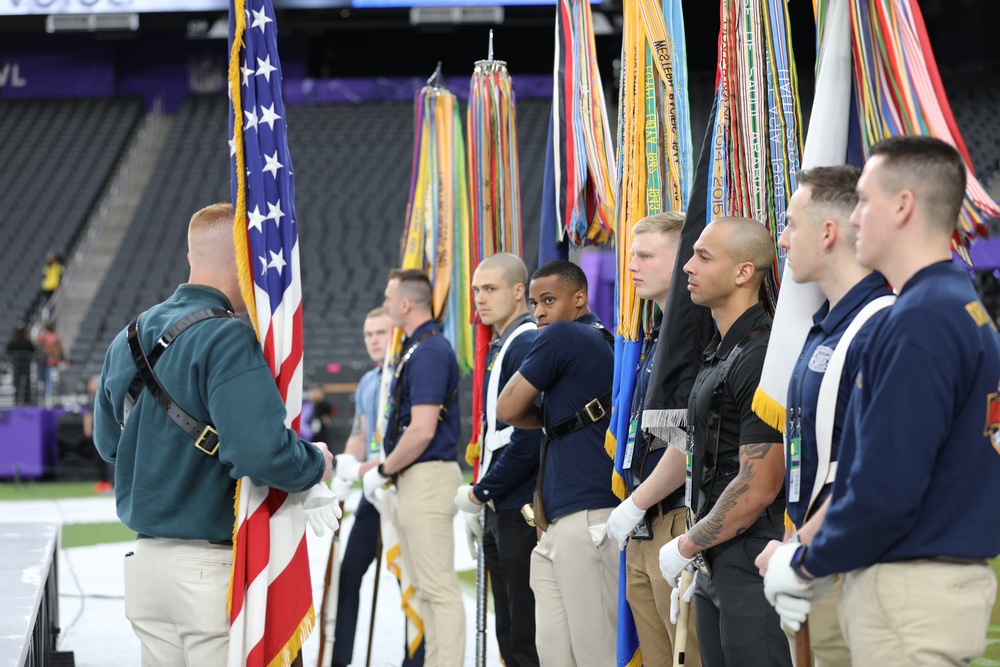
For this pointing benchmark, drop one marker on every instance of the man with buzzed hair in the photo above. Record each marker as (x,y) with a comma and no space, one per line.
(574,567)
(176,490)
(735,462)
(915,505)
(421,447)
(508,464)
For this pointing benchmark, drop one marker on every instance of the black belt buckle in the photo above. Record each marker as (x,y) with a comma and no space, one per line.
(208,441)
(593,408)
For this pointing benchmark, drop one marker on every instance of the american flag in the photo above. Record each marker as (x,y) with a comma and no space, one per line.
(272,611)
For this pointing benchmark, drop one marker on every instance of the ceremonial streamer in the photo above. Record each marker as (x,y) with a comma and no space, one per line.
(899,92)
(495,199)
(581,139)
(436,237)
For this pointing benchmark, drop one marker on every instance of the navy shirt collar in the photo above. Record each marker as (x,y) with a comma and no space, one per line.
(590,319)
(932,271)
(752,317)
(829,320)
(429,325)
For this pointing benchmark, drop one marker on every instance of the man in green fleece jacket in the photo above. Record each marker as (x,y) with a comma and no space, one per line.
(173,490)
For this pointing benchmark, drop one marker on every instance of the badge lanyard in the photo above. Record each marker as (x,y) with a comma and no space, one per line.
(640,399)
(795,457)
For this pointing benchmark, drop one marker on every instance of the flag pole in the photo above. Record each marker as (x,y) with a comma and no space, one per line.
(329,605)
(371,624)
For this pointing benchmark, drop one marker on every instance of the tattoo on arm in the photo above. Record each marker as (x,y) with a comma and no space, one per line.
(357,426)
(712,529)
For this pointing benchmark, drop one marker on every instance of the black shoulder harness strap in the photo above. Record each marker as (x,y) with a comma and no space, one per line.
(394,427)
(595,409)
(205,437)
(714,421)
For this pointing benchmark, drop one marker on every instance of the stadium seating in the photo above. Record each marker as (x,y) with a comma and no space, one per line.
(352,170)
(58,156)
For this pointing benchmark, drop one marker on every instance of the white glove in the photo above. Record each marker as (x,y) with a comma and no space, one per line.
(672,563)
(623,521)
(463,502)
(322,511)
(370,482)
(675,598)
(764,557)
(781,579)
(792,610)
(378,497)
(348,467)
(473,533)
(341,488)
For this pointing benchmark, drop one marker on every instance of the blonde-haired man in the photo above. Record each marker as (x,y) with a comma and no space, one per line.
(653,513)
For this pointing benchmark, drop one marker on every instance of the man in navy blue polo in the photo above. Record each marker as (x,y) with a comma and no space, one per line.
(421,446)
(819,242)
(574,568)
(915,505)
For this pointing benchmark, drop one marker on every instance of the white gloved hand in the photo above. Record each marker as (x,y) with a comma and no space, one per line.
(464,503)
(348,467)
(792,610)
(623,521)
(378,497)
(321,509)
(372,480)
(672,563)
(341,488)
(473,533)
(675,598)
(781,579)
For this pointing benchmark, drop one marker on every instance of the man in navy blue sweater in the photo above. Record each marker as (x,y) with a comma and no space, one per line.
(916,505)
(508,464)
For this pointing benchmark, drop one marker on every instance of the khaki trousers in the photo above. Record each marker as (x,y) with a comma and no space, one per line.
(825,638)
(175,599)
(923,613)
(648,594)
(574,575)
(427,510)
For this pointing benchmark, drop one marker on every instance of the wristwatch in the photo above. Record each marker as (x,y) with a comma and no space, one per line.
(797,564)
(381,471)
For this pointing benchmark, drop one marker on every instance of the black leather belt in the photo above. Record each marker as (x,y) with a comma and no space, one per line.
(953,560)
(668,504)
(594,411)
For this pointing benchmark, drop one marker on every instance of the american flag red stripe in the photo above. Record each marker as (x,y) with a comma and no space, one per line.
(271,603)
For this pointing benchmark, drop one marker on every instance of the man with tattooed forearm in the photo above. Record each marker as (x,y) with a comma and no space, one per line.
(735,462)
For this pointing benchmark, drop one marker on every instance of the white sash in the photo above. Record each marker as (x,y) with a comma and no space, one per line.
(826,405)
(494,439)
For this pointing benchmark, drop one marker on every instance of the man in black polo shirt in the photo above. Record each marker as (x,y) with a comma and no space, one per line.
(574,568)
(735,462)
